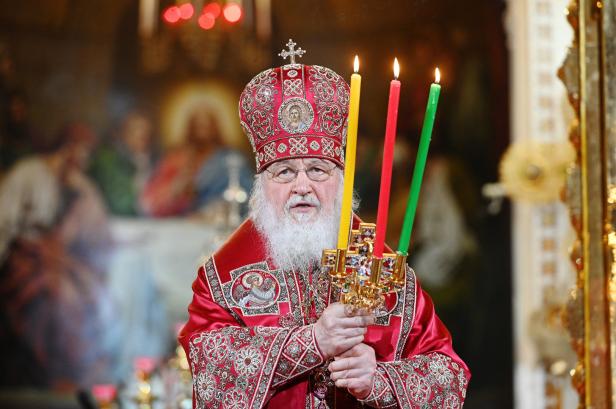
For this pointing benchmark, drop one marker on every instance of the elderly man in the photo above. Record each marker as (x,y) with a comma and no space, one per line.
(265,327)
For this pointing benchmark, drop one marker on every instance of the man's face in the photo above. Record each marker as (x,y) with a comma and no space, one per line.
(203,127)
(136,134)
(302,199)
(294,115)
(78,155)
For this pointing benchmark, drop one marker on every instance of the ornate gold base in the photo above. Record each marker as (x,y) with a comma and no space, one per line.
(363,279)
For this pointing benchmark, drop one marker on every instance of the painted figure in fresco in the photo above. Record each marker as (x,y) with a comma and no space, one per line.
(56,315)
(195,173)
(17,137)
(304,349)
(122,167)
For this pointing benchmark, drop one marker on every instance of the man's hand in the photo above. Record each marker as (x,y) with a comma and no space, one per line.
(337,330)
(355,370)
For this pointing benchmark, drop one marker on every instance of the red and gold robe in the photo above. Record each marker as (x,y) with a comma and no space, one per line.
(250,340)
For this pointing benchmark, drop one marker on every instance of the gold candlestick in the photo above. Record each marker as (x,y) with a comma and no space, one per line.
(375,271)
(363,279)
(399,274)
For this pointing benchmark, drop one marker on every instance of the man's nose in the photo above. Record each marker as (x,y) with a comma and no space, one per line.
(302,185)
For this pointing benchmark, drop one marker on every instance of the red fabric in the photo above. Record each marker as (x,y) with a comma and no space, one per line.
(417,364)
(167,193)
(295,111)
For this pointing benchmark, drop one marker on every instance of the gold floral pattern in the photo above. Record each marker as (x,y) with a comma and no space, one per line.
(424,381)
(233,366)
(299,355)
(382,395)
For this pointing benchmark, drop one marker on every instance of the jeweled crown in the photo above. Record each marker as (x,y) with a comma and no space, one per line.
(295,111)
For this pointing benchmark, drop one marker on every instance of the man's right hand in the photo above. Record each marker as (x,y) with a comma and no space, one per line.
(337,330)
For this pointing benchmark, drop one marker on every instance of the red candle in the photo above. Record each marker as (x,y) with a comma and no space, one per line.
(388,156)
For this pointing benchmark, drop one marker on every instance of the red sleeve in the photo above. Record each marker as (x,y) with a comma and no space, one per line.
(203,313)
(430,373)
(428,333)
(161,197)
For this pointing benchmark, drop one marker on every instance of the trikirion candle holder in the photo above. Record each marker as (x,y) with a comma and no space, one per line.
(363,279)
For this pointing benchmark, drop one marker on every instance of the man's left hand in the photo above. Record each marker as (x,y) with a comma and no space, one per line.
(355,370)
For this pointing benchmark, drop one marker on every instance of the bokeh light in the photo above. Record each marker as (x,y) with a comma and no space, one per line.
(172,14)
(186,11)
(232,12)
(212,9)
(206,21)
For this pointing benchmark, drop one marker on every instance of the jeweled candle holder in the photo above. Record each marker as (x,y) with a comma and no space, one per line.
(363,279)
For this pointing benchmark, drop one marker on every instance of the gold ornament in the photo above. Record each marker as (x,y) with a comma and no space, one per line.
(362,279)
(535,171)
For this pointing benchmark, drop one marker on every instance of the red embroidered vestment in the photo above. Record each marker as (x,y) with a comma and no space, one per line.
(250,340)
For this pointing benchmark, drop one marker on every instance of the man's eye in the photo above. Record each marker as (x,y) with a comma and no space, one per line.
(317,170)
(284,172)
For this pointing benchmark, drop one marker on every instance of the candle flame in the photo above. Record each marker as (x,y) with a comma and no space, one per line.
(437,75)
(396,68)
(356,64)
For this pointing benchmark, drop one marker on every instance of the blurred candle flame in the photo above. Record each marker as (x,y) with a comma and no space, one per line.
(356,64)
(396,68)
(437,75)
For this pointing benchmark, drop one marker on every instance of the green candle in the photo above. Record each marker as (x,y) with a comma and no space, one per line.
(420,165)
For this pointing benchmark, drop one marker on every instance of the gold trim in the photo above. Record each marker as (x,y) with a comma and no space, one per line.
(591,310)
(584,170)
(573,317)
(605,13)
(597,349)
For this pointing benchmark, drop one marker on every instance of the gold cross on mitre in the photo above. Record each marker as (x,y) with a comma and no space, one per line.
(291,52)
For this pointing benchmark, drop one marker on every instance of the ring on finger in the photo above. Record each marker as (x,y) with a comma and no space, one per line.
(349,310)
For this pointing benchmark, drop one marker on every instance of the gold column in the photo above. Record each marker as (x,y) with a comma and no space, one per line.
(596,339)
(606,11)
(588,73)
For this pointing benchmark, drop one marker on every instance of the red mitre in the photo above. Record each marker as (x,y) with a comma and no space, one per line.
(295,111)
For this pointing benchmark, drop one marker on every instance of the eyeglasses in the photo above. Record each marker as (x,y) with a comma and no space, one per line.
(317,172)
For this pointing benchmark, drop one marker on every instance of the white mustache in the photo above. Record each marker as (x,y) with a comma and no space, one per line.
(297,199)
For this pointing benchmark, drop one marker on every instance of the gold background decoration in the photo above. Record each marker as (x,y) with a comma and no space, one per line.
(591,196)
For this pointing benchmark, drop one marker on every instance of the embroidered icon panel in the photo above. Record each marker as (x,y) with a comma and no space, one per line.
(255,290)
(295,115)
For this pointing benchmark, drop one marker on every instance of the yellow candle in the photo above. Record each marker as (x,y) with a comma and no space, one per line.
(349,159)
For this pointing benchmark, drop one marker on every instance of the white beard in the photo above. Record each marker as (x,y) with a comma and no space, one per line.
(295,244)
